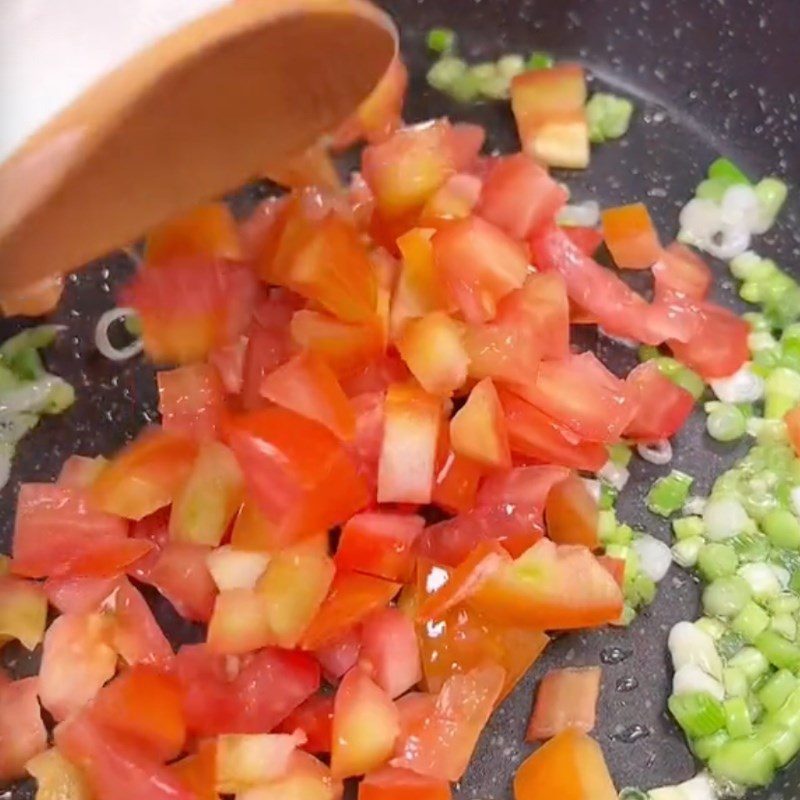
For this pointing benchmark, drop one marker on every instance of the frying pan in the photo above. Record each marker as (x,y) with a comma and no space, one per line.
(708,77)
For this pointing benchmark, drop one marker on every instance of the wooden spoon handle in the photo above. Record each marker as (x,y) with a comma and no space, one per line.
(196,115)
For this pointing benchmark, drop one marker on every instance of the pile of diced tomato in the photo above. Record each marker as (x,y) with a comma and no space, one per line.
(366,485)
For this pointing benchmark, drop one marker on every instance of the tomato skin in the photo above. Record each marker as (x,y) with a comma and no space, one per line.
(389,651)
(57,532)
(441,745)
(352,598)
(570,767)
(566,699)
(314,718)
(77,659)
(115,768)
(681,270)
(581,393)
(22,731)
(207,230)
(145,475)
(23,611)
(551,587)
(379,543)
(191,400)
(630,236)
(663,406)
(518,195)
(572,514)
(296,470)
(479,264)
(401,784)
(144,705)
(719,347)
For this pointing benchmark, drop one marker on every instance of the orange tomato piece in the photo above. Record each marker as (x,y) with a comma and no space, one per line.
(569,767)
(207,230)
(679,269)
(23,611)
(144,476)
(253,531)
(198,771)
(567,698)
(366,725)
(572,514)
(478,429)
(455,200)
(408,452)
(351,599)
(144,704)
(307,385)
(191,400)
(57,778)
(631,237)
(134,632)
(456,479)
(33,300)
(433,349)
(238,623)
(402,784)
(80,472)
(389,651)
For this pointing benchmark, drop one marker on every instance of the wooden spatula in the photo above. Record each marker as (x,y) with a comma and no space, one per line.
(196,114)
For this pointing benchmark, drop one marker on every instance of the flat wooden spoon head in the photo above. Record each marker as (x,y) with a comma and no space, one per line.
(197,114)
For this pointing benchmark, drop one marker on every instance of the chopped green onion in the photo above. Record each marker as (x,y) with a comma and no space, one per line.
(688,527)
(133,325)
(781,392)
(647,352)
(668,494)
(717,560)
(490,81)
(729,644)
(620,454)
(794,582)
(31,338)
(608,496)
(751,661)
(705,747)
(725,169)
(778,651)
(750,622)
(785,625)
(686,551)
(726,597)
(735,682)
(726,422)
(784,742)
(609,117)
(445,72)
(540,60)
(699,714)
(737,717)
(713,189)
(511,65)
(771,194)
(629,793)
(441,40)
(746,761)
(783,528)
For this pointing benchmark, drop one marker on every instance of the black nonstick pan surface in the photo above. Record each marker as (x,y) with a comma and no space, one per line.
(709,77)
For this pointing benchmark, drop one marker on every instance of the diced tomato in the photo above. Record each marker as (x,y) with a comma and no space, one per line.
(719,347)
(190,306)
(22,732)
(135,634)
(78,595)
(587,240)
(376,376)
(380,114)
(238,623)
(464,639)
(57,778)
(464,581)
(456,199)
(264,691)
(792,420)
(389,651)
(198,771)
(207,502)
(408,452)
(551,587)
(33,300)
(191,400)
(292,589)
(681,270)
(522,487)
(77,659)
(306,777)
(663,406)
(246,761)
(451,541)
(572,514)
(478,429)
(296,470)
(466,142)
(236,568)
(413,708)
(114,766)
(228,361)
(313,167)
(534,434)
(502,352)
(402,784)
(207,230)
(181,574)
(615,567)
(80,472)
(58,533)
(23,611)
(631,237)
(479,264)
(442,744)
(541,308)
(352,598)
(145,705)
(433,348)
(571,767)
(379,543)
(144,476)
(456,479)
(518,195)
(340,655)
(308,386)
(581,393)
(567,698)
(315,719)
(365,726)
(409,167)
(343,346)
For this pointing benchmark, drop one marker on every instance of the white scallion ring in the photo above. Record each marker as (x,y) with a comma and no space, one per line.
(659,452)
(103,343)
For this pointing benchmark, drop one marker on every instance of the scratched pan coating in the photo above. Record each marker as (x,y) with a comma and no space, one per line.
(709,77)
